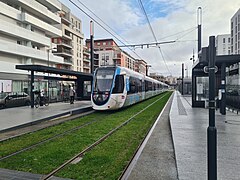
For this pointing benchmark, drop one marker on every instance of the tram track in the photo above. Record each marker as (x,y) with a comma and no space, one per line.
(100,140)
(46,157)
(52,138)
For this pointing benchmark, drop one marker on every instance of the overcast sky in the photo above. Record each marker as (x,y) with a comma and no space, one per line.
(170,20)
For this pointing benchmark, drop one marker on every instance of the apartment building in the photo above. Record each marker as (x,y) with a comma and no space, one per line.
(235,33)
(70,43)
(233,71)
(223,44)
(140,66)
(26,30)
(86,60)
(110,54)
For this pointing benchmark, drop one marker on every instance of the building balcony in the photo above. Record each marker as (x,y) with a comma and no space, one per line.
(25,34)
(48,29)
(65,20)
(86,66)
(68,61)
(87,60)
(10,11)
(38,9)
(86,52)
(117,56)
(63,52)
(54,5)
(29,52)
(65,44)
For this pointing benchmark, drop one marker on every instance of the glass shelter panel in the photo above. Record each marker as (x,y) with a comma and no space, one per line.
(202,88)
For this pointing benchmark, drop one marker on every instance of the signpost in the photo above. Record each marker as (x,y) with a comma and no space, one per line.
(212,130)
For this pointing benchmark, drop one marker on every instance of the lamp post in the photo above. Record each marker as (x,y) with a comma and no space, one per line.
(147,66)
(182,76)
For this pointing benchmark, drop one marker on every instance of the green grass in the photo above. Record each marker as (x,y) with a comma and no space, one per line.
(106,161)
(15,144)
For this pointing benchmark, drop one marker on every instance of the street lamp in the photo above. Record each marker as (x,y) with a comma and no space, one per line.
(147,66)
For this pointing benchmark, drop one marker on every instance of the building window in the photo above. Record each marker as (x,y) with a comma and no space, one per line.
(103,56)
(223,40)
(104,43)
(98,43)
(229,40)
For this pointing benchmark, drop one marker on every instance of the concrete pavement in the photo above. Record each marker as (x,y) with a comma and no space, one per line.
(189,131)
(13,118)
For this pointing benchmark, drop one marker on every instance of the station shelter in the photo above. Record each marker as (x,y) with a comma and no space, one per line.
(81,81)
(200,83)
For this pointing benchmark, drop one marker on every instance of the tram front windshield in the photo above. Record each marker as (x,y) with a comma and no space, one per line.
(104,79)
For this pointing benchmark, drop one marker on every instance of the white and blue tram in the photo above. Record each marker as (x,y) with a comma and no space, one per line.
(117,87)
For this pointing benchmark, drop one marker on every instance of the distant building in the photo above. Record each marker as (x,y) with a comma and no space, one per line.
(110,54)
(235,33)
(86,60)
(158,77)
(140,66)
(233,72)
(223,44)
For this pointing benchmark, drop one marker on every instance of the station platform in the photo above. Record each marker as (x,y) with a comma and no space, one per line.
(187,159)
(14,118)
(189,131)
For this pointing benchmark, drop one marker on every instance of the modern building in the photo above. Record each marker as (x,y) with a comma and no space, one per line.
(86,60)
(26,30)
(70,44)
(141,66)
(223,44)
(109,53)
(233,72)
(235,33)
(158,77)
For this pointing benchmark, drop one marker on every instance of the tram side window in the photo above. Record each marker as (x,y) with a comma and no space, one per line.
(154,86)
(150,86)
(119,84)
(138,85)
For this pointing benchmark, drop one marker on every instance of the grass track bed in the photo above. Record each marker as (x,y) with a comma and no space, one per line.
(106,161)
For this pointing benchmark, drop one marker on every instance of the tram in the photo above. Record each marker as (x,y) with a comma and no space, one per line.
(115,87)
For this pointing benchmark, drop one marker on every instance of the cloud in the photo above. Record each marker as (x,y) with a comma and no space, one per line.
(167,18)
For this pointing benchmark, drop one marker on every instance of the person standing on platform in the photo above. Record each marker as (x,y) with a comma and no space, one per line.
(71,94)
(41,97)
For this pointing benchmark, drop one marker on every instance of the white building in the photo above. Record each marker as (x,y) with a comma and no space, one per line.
(26,30)
(235,33)
(223,44)
(70,44)
(29,30)
(234,70)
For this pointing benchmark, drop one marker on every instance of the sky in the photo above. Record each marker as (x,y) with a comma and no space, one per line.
(171,20)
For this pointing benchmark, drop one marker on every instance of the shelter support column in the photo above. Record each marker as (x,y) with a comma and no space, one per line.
(32,89)
(80,86)
(223,90)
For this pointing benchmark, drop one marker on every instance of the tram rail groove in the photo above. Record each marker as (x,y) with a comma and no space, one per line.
(100,140)
(51,138)
(126,172)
